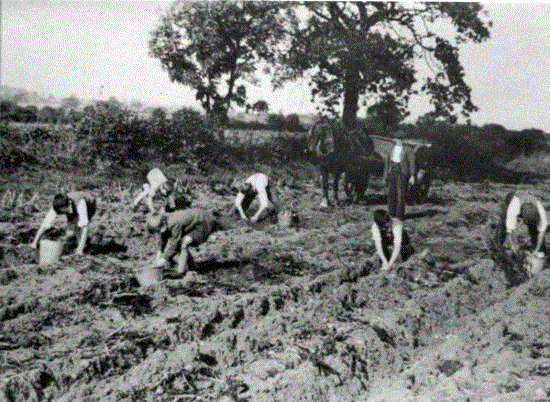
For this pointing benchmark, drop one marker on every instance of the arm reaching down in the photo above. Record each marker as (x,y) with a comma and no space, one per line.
(238,204)
(540,240)
(183,265)
(514,242)
(397,228)
(47,223)
(264,202)
(543,225)
(144,192)
(377,237)
(412,164)
(82,241)
(83,222)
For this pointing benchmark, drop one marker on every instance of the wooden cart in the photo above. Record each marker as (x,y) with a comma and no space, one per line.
(423,163)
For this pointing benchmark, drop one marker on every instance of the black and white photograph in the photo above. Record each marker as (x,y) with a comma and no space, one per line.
(274,201)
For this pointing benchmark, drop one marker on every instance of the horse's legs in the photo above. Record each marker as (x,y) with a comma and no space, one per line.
(348,184)
(324,181)
(336,174)
(362,183)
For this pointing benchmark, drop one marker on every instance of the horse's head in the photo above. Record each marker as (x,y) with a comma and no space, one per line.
(321,139)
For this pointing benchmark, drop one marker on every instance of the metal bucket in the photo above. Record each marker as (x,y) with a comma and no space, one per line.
(49,251)
(535,262)
(287,219)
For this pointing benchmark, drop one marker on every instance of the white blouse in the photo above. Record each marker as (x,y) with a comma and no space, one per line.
(397,153)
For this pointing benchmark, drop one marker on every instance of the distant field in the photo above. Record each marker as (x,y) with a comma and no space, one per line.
(30,126)
(255,137)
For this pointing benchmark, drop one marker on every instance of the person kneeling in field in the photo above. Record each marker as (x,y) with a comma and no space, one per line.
(79,207)
(520,206)
(178,231)
(389,234)
(158,182)
(258,185)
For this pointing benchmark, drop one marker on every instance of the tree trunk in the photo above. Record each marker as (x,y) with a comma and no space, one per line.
(351,99)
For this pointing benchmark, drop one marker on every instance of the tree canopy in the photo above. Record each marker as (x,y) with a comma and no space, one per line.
(214,47)
(355,52)
(372,49)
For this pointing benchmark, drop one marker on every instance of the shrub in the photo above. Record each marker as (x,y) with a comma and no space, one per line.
(105,131)
(277,122)
(48,114)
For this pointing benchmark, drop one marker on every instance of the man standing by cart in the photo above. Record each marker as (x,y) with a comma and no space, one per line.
(398,174)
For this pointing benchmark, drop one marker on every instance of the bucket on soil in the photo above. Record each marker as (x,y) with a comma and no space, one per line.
(535,262)
(49,251)
(287,219)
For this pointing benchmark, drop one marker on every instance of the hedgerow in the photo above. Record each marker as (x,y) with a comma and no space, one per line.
(109,133)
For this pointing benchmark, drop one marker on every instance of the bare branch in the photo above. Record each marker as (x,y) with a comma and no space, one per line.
(319,14)
(346,23)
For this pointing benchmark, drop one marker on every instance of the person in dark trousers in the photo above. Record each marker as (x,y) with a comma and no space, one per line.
(79,207)
(180,230)
(398,171)
(390,239)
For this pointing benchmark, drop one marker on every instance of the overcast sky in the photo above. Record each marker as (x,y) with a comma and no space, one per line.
(98,49)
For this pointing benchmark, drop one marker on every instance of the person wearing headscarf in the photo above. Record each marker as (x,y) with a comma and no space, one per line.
(157,182)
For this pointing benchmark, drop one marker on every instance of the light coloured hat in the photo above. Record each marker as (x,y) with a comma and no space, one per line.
(155,177)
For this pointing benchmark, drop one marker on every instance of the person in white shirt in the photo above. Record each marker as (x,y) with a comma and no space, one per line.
(174,197)
(257,185)
(521,206)
(156,181)
(390,239)
(79,207)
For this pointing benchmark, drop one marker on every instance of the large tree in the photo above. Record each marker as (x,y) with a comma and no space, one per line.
(372,50)
(215,46)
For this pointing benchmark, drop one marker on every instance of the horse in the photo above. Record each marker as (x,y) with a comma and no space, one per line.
(357,175)
(338,151)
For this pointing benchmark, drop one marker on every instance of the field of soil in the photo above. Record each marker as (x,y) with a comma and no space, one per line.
(272,313)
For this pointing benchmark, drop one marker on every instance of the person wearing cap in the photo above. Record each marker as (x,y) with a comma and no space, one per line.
(256,186)
(158,182)
(390,239)
(179,230)
(522,206)
(399,166)
(79,207)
